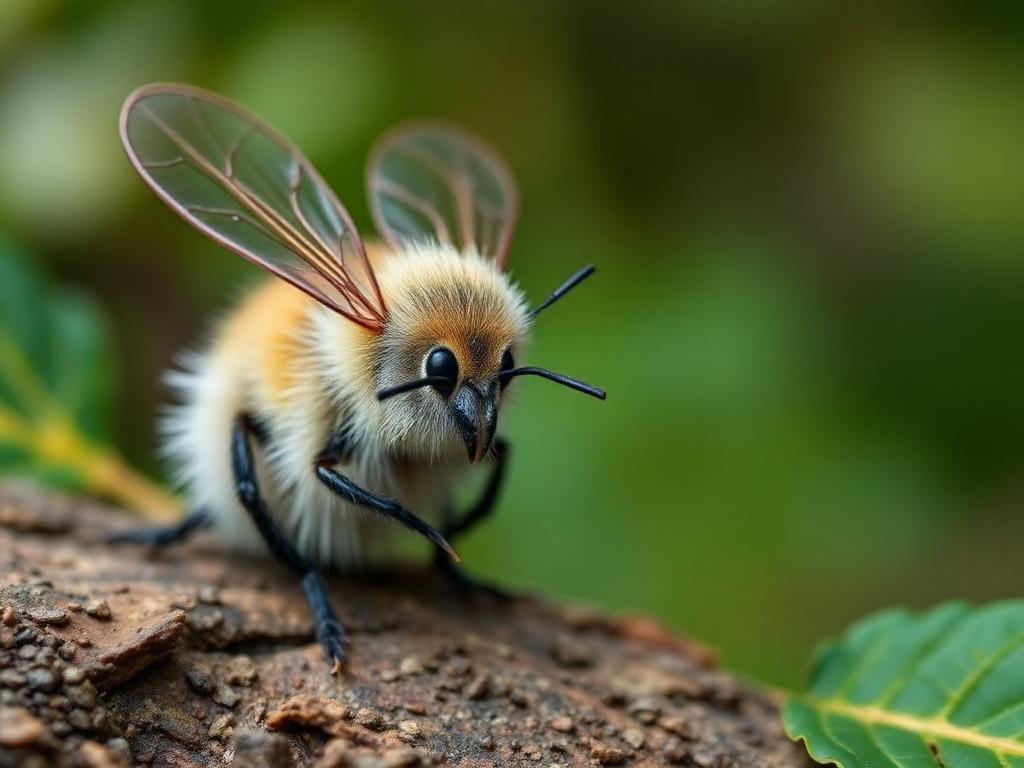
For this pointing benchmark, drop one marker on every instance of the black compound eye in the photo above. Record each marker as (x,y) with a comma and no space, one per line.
(507,364)
(441,363)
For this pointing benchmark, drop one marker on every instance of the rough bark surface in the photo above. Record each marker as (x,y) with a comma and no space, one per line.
(116,655)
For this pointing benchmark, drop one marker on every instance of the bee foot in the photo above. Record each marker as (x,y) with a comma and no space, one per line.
(161,536)
(329,631)
(471,586)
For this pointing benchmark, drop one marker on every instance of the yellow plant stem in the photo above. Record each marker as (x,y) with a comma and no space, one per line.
(102,471)
(51,436)
(108,476)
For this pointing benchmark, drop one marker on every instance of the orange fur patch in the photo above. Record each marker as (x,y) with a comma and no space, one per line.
(266,330)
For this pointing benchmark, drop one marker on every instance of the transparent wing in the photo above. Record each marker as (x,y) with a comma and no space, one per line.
(242,184)
(429,180)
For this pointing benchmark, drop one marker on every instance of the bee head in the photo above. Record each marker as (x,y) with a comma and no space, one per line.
(456,325)
(455,329)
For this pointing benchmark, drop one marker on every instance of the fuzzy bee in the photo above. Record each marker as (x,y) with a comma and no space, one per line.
(372,386)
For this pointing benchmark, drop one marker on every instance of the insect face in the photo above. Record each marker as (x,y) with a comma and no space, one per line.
(472,400)
(455,323)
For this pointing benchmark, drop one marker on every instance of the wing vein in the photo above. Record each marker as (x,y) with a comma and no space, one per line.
(436,181)
(417,203)
(253,203)
(328,260)
(236,168)
(233,187)
(164,163)
(229,159)
(228,213)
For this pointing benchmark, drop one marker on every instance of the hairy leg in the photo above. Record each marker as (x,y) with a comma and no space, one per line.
(328,629)
(162,536)
(385,508)
(458,525)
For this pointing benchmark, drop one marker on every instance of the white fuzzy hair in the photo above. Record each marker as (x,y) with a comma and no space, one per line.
(407,447)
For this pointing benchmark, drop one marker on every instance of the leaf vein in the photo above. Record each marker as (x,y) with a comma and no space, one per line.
(927,651)
(976,677)
(870,715)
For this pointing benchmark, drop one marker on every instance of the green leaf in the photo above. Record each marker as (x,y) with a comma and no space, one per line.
(56,374)
(943,689)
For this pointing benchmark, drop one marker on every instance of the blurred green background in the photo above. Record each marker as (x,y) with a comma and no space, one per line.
(809,222)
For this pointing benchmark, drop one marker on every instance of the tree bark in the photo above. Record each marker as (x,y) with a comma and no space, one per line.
(118,655)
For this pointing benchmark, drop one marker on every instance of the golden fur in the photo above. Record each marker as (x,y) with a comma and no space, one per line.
(305,372)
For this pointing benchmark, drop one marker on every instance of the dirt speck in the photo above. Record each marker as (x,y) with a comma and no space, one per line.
(209,595)
(369,718)
(571,652)
(221,726)
(563,724)
(44,680)
(410,665)
(677,725)
(97,608)
(645,709)
(19,727)
(95,755)
(258,749)
(675,751)
(519,699)
(634,737)
(48,614)
(478,687)
(242,671)
(607,755)
(225,695)
(309,712)
(200,680)
(409,729)
(532,752)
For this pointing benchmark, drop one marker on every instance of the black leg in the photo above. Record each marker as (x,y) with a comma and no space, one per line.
(328,630)
(457,526)
(386,508)
(164,535)
(454,528)
(467,583)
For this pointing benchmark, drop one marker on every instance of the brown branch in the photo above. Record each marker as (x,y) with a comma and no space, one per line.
(113,655)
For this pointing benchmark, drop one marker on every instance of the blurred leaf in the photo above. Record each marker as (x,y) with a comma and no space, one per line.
(55,391)
(905,691)
(18,16)
(62,172)
(320,78)
(933,130)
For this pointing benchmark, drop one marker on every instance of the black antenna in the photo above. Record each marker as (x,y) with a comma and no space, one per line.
(408,386)
(565,381)
(564,288)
